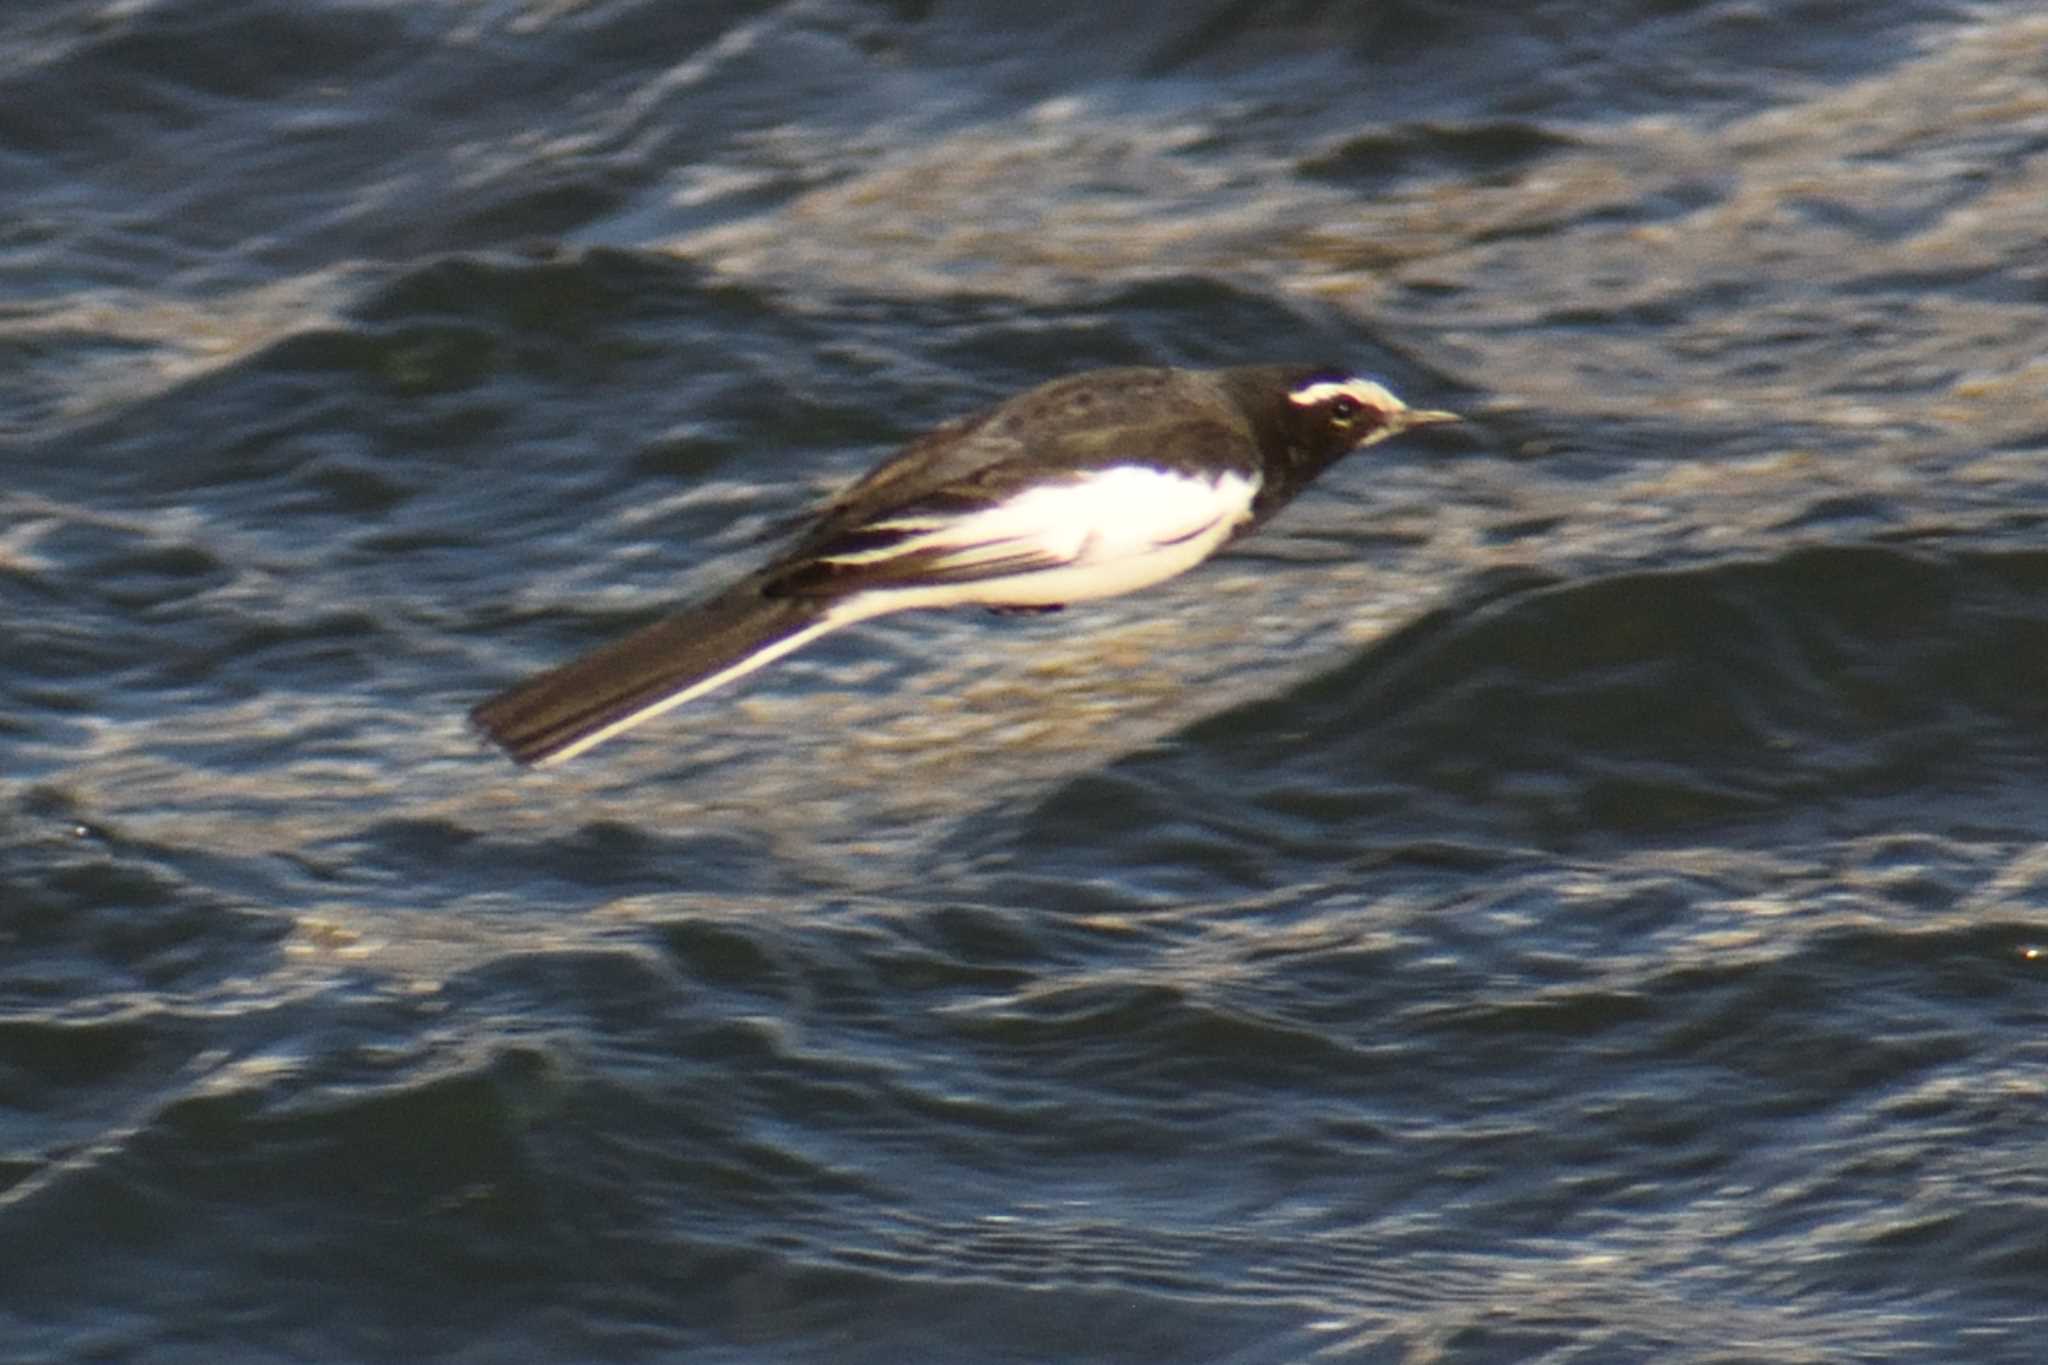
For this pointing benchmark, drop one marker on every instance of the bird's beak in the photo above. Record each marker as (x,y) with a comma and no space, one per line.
(1422,417)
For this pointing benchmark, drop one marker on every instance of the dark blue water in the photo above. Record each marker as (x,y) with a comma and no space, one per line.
(1574,892)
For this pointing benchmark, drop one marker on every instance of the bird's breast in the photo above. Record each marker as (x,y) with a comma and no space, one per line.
(1071,538)
(1119,512)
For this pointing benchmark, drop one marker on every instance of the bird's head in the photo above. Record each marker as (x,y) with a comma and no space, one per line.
(1328,413)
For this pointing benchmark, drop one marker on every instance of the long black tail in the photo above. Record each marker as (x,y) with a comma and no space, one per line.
(558,714)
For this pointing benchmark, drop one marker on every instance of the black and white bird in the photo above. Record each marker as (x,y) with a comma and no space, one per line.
(1090,486)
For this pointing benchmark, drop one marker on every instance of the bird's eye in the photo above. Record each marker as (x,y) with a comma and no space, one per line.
(1342,410)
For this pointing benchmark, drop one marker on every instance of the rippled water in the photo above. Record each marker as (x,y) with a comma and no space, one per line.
(1571,890)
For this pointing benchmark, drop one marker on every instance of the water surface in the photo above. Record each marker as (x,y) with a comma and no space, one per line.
(1571,890)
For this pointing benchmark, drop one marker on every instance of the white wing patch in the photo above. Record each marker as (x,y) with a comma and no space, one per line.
(1363,391)
(1105,532)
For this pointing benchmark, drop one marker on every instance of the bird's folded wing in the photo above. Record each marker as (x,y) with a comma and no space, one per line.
(928,566)
(978,464)
(1096,516)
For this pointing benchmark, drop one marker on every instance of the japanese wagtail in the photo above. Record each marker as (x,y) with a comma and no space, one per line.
(1090,486)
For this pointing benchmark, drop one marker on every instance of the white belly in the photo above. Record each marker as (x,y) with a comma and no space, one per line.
(1113,531)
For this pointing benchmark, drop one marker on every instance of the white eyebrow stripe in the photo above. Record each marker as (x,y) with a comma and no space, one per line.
(1364,390)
